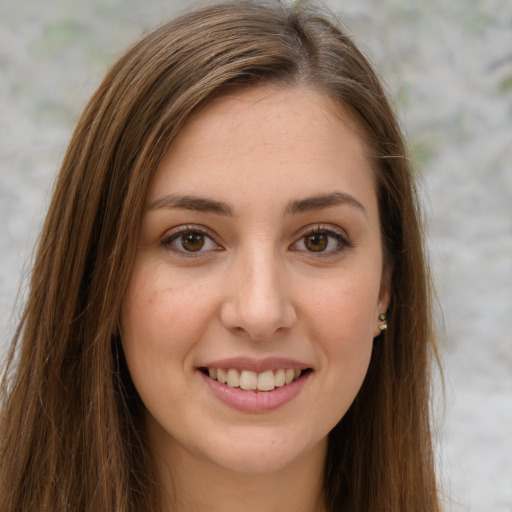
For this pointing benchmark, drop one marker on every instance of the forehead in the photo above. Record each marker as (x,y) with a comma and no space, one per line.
(266,140)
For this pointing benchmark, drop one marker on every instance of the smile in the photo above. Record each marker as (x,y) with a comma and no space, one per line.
(254,381)
(255,391)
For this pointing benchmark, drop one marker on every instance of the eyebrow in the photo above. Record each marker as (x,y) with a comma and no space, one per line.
(203,204)
(200,204)
(323,201)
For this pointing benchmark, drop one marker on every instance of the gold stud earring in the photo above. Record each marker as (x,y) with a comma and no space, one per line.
(382,318)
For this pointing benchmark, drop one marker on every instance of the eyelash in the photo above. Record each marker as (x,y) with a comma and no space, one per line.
(343,243)
(174,235)
(167,242)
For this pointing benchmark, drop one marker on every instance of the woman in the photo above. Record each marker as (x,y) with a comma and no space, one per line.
(230,306)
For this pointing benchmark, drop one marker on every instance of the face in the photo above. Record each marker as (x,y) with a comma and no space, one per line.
(253,305)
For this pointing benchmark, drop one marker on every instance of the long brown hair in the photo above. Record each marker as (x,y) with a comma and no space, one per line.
(71,435)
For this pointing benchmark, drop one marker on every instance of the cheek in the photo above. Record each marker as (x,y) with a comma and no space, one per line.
(343,308)
(162,318)
(342,319)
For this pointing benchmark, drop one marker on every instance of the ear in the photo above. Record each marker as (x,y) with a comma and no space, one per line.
(383,301)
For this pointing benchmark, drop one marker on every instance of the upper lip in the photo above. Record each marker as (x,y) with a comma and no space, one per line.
(256,365)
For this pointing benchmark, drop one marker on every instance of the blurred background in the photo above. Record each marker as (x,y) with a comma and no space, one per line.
(448,67)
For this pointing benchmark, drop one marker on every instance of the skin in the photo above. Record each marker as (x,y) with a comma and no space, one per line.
(254,289)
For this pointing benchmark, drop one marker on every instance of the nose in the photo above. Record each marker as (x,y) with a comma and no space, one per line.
(258,300)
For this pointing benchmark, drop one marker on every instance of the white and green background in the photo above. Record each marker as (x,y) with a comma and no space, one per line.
(448,67)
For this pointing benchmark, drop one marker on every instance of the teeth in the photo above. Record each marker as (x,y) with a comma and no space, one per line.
(280,378)
(248,380)
(266,381)
(222,376)
(233,378)
(252,381)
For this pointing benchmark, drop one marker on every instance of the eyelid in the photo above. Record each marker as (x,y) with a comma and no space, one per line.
(343,239)
(172,234)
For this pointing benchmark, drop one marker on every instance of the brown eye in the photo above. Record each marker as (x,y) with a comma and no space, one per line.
(316,242)
(323,242)
(192,241)
(186,241)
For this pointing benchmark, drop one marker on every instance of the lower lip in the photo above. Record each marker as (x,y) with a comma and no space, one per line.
(256,401)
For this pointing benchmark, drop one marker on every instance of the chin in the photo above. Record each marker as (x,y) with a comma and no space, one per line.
(261,454)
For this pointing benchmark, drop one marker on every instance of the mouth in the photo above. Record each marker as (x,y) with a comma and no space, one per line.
(248,380)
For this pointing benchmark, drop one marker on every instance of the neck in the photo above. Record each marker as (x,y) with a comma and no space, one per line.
(191,484)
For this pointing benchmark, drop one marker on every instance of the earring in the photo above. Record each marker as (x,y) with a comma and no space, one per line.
(382,318)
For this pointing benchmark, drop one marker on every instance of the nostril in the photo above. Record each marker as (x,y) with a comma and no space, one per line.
(261,323)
